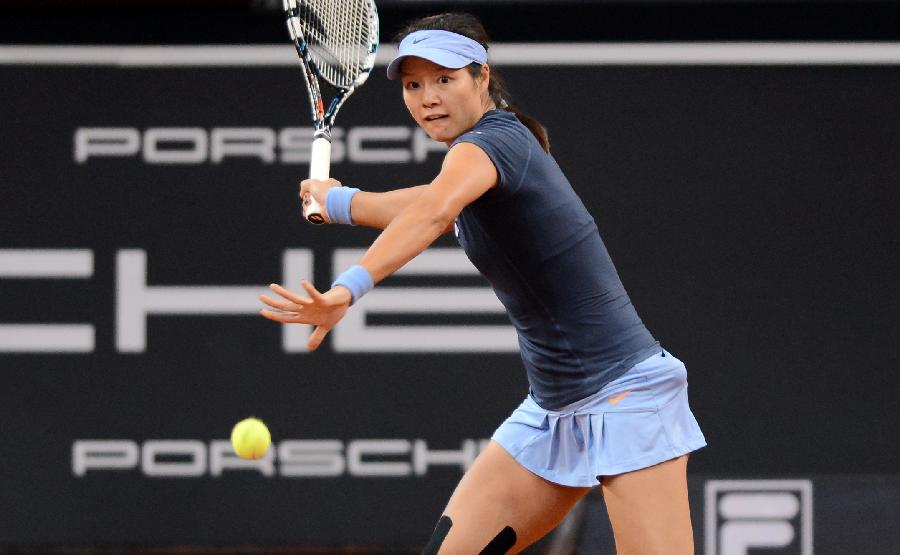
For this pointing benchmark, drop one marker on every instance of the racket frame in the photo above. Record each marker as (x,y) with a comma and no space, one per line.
(322,119)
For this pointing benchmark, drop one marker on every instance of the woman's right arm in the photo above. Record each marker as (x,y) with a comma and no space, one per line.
(379,209)
(376,210)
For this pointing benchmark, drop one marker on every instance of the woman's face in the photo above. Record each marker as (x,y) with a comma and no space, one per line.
(444,102)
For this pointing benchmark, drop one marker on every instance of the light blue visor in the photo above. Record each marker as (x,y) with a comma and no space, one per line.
(444,48)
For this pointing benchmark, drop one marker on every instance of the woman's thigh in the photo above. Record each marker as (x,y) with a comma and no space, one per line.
(495,493)
(649,510)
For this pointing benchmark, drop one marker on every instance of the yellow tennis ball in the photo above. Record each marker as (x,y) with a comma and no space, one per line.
(250,438)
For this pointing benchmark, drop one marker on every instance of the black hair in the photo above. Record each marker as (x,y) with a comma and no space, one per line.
(469,26)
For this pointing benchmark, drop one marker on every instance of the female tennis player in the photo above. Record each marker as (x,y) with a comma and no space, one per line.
(607,405)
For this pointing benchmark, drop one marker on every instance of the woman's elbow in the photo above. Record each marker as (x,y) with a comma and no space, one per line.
(444,220)
(440,215)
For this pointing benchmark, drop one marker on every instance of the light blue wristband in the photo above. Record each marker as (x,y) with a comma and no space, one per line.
(337,204)
(357,280)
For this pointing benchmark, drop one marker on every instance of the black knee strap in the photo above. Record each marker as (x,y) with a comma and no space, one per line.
(437,537)
(501,543)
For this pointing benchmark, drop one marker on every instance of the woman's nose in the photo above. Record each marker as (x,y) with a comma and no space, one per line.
(430,96)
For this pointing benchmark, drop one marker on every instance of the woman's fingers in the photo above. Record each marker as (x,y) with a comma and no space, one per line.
(313,292)
(284,306)
(316,310)
(316,337)
(282,317)
(290,295)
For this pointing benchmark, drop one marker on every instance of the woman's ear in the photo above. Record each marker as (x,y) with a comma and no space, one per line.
(486,75)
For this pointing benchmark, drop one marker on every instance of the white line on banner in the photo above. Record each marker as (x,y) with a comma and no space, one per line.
(46,338)
(509,54)
(46,263)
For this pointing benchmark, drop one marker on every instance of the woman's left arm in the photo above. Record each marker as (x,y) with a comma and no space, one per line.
(466,174)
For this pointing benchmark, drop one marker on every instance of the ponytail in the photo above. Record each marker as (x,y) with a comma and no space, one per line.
(500,96)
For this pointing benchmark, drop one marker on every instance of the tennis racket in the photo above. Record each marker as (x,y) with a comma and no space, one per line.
(336,41)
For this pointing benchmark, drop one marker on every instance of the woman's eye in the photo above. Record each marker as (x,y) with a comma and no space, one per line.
(444,80)
(412,85)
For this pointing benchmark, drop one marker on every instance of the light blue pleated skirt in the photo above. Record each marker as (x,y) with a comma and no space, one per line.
(638,420)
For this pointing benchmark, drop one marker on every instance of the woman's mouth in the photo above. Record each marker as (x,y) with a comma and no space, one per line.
(434,117)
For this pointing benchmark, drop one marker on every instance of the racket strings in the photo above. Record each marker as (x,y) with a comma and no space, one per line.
(339,35)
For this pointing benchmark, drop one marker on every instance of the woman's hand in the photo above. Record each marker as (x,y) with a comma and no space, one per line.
(317,190)
(322,310)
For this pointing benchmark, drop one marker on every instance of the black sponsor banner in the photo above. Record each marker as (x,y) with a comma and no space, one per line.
(825,514)
(750,212)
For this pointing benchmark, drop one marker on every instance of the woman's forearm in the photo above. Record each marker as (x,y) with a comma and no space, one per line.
(378,210)
(410,233)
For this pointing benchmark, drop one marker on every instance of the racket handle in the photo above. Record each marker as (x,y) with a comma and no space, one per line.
(319,165)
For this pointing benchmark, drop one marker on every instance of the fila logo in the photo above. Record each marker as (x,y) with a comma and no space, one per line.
(765,516)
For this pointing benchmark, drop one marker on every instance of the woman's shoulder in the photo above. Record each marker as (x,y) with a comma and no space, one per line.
(507,142)
(496,125)
(498,119)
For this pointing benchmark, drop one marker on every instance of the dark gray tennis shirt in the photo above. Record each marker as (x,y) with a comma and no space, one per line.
(539,248)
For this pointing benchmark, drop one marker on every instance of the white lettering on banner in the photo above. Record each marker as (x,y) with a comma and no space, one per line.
(196,145)
(311,457)
(156,137)
(292,458)
(106,141)
(100,454)
(357,449)
(222,457)
(358,136)
(756,514)
(193,451)
(354,335)
(256,142)
(422,457)
(296,145)
(422,144)
(46,264)
(135,300)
